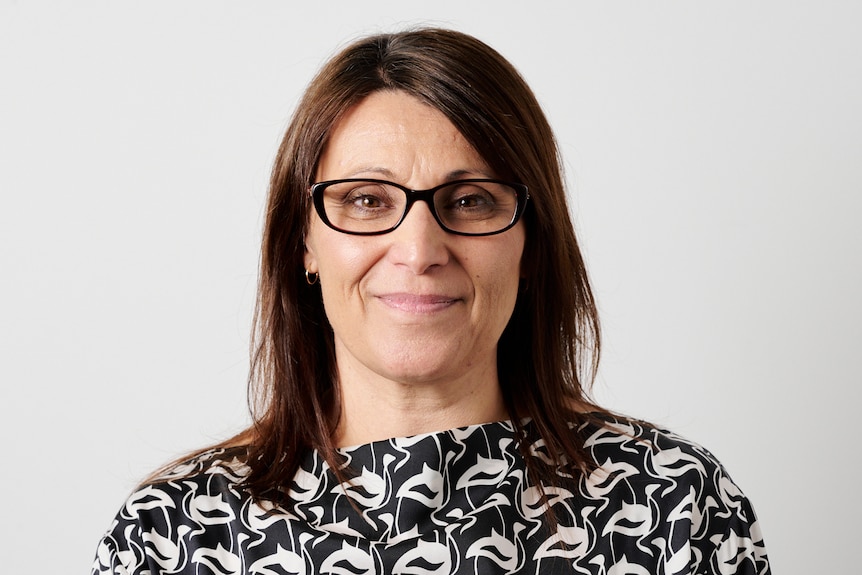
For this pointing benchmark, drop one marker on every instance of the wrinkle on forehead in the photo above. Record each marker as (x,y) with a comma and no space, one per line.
(412,146)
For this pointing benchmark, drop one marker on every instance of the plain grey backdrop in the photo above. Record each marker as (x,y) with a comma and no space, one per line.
(713,157)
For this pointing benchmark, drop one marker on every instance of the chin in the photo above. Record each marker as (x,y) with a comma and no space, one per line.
(424,366)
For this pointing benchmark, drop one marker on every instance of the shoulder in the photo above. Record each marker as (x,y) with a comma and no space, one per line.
(673,468)
(205,489)
(214,474)
(667,485)
(650,449)
(229,462)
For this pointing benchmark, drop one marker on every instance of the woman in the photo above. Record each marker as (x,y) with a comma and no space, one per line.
(425,332)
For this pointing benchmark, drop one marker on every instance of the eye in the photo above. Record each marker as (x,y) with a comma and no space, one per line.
(469,197)
(348,202)
(367,197)
(365,201)
(471,201)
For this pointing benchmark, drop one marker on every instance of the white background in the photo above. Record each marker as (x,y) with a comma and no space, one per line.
(713,152)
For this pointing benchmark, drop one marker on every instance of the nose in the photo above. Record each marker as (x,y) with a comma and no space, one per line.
(419,242)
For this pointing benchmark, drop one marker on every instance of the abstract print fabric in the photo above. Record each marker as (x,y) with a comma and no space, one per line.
(457,501)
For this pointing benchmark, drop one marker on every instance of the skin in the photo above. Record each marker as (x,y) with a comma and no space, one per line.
(416,313)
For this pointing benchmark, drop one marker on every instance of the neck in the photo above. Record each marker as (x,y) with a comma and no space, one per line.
(376,408)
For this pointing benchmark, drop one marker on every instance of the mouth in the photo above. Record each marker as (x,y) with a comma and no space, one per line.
(418,304)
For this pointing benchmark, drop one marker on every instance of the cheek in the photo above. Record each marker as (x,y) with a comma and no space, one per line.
(342,261)
(509,284)
(512,263)
(325,248)
(345,263)
(514,271)
(500,279)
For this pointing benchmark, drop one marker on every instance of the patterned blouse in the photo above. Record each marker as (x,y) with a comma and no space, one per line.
(455,501)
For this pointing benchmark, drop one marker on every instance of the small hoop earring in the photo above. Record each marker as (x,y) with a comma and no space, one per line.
(311,277)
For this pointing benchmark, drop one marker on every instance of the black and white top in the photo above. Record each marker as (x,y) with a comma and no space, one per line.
(455,501)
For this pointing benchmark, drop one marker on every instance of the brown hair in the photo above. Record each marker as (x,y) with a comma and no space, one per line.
(547,354)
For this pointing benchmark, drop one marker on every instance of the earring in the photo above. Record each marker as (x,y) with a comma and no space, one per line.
(311,277)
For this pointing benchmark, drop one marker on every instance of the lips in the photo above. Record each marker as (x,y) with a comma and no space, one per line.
(416,303)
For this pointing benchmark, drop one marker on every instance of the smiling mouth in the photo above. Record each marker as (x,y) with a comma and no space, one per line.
(412,303)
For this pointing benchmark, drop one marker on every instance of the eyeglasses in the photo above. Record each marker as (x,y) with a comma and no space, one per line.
(474,207)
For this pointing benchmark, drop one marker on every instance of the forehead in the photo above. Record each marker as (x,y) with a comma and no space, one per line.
(391,133)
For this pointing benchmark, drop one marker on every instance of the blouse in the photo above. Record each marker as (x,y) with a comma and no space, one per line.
(455,501)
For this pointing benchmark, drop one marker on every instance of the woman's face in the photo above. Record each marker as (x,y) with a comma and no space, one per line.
(418,304)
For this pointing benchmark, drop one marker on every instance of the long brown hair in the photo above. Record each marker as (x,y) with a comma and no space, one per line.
(548,353)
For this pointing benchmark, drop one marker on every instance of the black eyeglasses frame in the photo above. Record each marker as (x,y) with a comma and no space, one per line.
(413,196)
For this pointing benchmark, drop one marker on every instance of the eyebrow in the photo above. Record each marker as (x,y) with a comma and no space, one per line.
(449,177)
